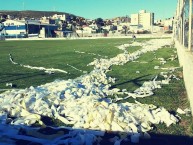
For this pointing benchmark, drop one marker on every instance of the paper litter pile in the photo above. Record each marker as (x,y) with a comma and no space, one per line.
(83,103)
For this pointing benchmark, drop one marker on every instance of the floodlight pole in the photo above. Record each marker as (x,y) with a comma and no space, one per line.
(190,27)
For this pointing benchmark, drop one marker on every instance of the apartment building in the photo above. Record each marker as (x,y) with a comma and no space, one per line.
(143,18)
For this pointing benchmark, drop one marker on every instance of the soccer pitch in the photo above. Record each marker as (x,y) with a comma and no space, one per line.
(73,56)
(60,54)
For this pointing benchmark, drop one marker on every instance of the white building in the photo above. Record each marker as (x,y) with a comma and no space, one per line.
(61,17)
(134,19)
(169,22)
(14,28)
(45,20)
(143,18)
(86,31)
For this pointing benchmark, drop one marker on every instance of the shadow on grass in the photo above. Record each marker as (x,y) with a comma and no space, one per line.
(81,137)
(6,78)
(137,81)
(167,139)
(50,134)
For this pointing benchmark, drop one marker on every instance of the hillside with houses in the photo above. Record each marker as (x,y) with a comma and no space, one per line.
(30,14)
(21,24)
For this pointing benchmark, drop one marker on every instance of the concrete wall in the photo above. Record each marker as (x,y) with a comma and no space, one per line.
(186,60)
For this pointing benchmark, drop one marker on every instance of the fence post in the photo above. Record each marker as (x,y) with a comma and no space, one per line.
(190,27)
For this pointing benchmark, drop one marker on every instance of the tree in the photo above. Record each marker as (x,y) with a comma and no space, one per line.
(99,21)
(82,30)
(3,18)
(125,29)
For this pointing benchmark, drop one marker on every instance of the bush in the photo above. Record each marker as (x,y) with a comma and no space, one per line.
(168,32)
(143,32)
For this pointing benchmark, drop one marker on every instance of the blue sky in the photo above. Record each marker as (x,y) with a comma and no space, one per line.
(92,9)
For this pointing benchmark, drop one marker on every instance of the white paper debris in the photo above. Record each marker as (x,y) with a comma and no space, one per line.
(186,111)
(83,102)
(180,111)
(76,68)
(9,84)
(90,53)
(156,67)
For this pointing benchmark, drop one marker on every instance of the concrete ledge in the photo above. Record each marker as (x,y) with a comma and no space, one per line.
(108,37)
(186,61)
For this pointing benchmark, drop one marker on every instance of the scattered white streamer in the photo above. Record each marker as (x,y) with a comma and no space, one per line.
(47,70)
(82,52)
(76,68)
(83,103)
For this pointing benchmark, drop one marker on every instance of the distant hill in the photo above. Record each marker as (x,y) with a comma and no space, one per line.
(31,13)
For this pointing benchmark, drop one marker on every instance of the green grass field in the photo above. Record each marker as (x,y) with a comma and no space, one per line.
(56,54)
(59,53)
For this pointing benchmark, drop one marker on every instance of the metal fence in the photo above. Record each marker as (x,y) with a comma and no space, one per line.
(183,26)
